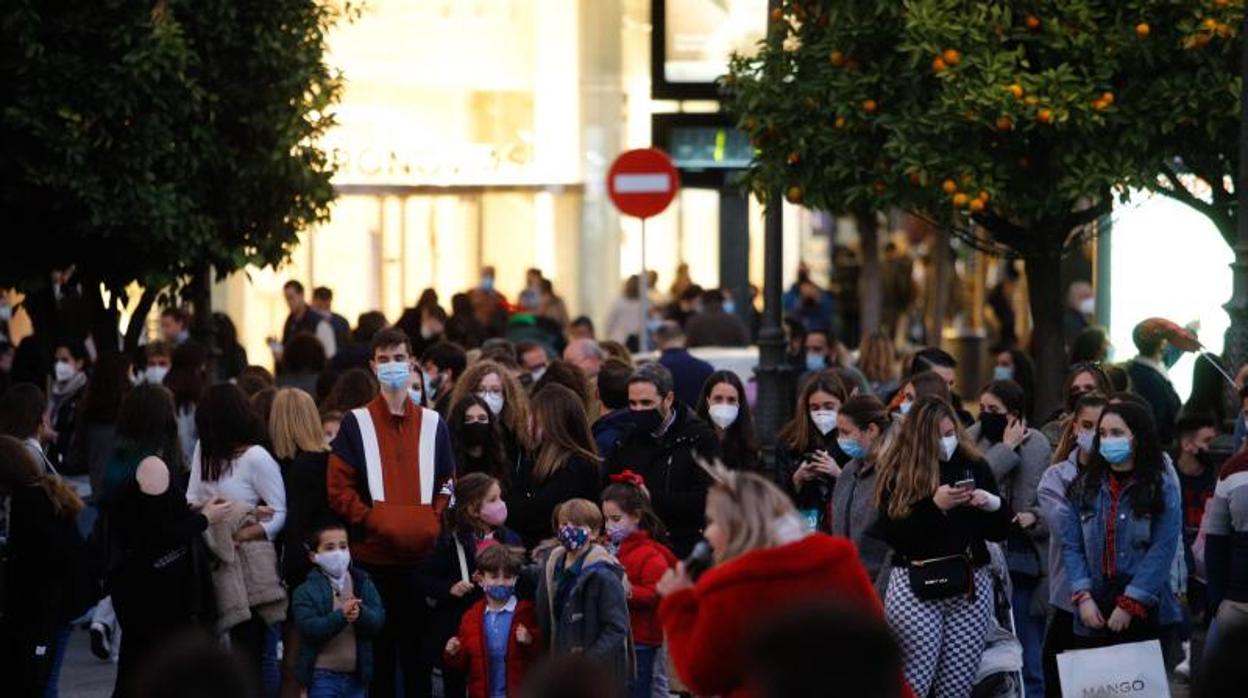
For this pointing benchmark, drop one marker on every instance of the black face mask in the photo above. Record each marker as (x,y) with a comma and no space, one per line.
(992,426)
(475,434)
(646,421)
(1205,458)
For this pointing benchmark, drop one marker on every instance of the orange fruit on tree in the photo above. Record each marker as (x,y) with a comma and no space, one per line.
(777,15)
(967,179)
(1142,30)
(1004,123)
(840,122)
(1225,30)
(960,200)
(938,65)
(1202,40)
(794,158)
(1107,97)
(869,106)
(793,194)
(1032,22)
(1016,90)
(977,206)
(1044,116)
(983,196)
(952,56)
(1209,23)
(837,59)
(949,187)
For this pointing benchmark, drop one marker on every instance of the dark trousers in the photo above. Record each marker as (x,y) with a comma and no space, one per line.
(248,640)
(1059,637)
(398,645)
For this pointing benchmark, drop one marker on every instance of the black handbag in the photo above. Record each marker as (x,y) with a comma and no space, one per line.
(941,577)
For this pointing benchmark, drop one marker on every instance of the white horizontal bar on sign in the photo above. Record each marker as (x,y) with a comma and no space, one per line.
(643,183)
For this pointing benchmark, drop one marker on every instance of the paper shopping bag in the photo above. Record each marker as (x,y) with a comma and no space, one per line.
(1133,669)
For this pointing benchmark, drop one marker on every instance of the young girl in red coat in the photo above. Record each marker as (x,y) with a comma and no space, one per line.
(498,637)
(635,531)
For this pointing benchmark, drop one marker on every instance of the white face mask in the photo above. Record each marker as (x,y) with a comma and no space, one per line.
(1084,439)
(64,371)
(155,375)
(723,415)
(948,444)
(492,400)
(6,312)
(334,562)
(1087,306)
(825,420)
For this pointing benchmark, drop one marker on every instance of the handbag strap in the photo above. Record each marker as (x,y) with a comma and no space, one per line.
(463,559)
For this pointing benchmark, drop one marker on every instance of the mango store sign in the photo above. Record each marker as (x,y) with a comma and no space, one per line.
(446,164)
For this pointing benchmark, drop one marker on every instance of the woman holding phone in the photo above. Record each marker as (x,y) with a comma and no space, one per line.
(938,504)
(810,460)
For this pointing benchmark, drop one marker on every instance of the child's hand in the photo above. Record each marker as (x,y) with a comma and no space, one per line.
(453,646)
(351,608)
(460,588)
(522,635)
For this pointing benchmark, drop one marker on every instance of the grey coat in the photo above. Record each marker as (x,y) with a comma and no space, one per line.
(594,619)
(1018,473)
(854,515)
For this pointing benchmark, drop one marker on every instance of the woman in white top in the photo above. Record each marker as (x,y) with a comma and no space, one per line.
(229,461)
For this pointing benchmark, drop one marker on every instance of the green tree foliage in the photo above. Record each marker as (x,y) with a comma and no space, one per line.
(153,142)
(1025,117)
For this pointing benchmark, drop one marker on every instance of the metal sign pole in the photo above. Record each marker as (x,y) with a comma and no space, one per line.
(643,342)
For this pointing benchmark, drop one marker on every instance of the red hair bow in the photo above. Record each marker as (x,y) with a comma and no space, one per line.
(629,477)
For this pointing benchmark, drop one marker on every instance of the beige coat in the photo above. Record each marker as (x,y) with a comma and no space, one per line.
(244,575)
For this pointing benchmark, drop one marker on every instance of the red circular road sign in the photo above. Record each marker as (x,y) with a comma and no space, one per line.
(642,182)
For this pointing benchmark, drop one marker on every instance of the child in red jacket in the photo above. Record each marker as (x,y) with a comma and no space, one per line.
(497,640)
(633,528)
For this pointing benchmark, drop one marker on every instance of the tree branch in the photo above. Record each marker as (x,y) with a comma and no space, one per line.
(135,327)
(1181,193)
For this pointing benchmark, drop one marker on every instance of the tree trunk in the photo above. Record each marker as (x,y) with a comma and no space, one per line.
(103,320)
(134,329)
(201,319)
(869,287)
(1044,283)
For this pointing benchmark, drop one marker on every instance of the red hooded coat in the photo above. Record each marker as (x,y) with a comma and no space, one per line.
(645,561)
(708,626)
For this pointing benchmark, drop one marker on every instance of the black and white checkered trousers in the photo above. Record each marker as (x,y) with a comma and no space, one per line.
(941,641)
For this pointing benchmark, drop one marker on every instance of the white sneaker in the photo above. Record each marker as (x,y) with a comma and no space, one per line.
(1184,668)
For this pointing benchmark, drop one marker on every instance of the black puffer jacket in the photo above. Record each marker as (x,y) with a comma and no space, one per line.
(669,464)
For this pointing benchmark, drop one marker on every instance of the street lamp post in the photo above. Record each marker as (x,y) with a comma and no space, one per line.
(773,372)
(1235,343)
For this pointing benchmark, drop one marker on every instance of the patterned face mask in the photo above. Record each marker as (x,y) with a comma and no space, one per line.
(573,538)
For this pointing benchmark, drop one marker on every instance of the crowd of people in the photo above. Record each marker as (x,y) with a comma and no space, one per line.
(473,502)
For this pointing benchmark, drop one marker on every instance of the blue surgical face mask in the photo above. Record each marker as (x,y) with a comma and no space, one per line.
(1116,449)
(816,362)
(499,592)
(1003,373)
(394,375)
(904,407)
(852,448)
(414,393)
(730,307)
(487,283)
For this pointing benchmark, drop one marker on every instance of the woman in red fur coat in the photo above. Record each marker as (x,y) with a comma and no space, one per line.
(764,563)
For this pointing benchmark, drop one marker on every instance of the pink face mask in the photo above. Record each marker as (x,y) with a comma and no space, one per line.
(494,513)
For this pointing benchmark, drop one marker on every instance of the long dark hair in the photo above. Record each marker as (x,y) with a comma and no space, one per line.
(146,423)
(560,417)
(865,410)
(21,410)
(227,424)
(1025,376)
(634,502)
(354,388)
(494,455)
(470,490)
(188,372)
(740,438)
(107,388)
(1147,496)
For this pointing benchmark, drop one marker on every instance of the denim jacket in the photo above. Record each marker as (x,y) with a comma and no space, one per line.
(1145,549)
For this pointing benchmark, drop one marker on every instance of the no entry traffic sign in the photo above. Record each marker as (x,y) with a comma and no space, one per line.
(642,182)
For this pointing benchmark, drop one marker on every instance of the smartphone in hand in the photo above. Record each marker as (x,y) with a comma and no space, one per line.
(967,484)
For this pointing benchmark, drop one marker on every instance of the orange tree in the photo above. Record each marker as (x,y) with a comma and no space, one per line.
(1024,117)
